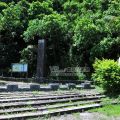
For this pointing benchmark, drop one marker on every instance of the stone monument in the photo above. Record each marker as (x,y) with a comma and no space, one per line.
(41,60)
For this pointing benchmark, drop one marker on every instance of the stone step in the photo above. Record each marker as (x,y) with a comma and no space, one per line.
(34,94)
(12,96)
(47,112)
(44,102)
(41,98)
(38,108)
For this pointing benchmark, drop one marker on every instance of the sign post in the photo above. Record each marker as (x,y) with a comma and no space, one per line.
(19,68)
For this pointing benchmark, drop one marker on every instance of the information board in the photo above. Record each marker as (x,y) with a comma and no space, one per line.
(18,67)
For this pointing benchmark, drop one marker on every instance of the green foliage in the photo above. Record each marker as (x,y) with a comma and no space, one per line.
(80,74)
(1,26)
(29,55)
(105,47)
(50,25)
(76,31)
(72,7)
(3,5)
(38,9)
(85,32)
(114,8)
(109,110)
(13,16)
(86,35)
(52,28)
(12,23)
(92,5)
(107,75)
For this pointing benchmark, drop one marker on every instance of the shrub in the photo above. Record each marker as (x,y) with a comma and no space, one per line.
(80,75)
(107,75)
(3,5)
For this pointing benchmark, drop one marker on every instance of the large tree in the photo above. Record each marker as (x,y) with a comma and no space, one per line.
(76,31)
(52,28)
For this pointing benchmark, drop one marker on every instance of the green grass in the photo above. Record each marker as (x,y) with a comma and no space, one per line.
(109,110)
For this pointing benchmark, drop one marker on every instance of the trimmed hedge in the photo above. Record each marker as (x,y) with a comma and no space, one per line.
(107,75)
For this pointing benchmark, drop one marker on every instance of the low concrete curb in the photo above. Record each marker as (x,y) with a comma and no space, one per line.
(34,87)
(12,87)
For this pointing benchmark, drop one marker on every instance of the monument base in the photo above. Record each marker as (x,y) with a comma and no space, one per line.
(40,80)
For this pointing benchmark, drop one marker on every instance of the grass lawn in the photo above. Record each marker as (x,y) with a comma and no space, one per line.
(109,110)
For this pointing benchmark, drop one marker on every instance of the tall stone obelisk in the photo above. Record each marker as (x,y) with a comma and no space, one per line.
(41,60)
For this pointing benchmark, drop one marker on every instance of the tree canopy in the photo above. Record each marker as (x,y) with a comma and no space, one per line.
(76,31)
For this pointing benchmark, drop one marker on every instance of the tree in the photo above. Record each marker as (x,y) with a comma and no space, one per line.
(107,75)
(52,28)
(39,9)
(76,31)
(3,5)
(13,22)
(86,35)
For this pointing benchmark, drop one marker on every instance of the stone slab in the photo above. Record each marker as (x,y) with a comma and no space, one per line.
(34,87)
(54,86)
(12,87)
(71,85)
(86,85)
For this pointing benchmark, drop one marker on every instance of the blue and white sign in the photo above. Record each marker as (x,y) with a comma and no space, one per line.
(18,67)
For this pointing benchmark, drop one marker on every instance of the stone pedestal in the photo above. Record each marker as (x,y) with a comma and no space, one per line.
(71,85)
(86,85)
(34,87)
(12,87)
(54,86)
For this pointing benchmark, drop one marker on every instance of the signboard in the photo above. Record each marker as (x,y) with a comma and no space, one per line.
(18,67)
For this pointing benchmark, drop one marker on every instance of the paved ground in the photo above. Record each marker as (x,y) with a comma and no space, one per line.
(81,116)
